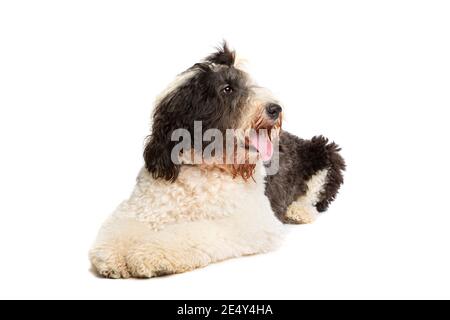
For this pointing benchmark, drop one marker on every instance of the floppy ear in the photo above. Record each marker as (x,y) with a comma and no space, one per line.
(223,55)
(159,147)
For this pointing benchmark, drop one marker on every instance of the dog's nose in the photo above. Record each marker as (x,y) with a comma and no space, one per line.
(273,110)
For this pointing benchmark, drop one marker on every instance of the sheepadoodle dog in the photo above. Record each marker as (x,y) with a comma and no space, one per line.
(194,204)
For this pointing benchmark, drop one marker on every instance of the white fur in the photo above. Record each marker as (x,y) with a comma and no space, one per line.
(303,210)
(203,217)
(175,84)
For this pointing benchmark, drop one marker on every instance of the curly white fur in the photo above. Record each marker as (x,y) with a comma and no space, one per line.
(303,210)
(203,217)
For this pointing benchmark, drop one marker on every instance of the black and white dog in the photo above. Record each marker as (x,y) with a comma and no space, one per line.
(191,207)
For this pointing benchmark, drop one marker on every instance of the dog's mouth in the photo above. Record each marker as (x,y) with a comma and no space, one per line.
(261,141)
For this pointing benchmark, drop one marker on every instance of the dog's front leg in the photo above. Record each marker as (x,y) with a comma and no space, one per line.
(135,250)
(187,246)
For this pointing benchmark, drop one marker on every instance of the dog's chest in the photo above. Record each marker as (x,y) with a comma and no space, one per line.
(196,194)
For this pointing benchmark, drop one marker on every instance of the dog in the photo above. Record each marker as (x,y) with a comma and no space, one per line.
(188,209)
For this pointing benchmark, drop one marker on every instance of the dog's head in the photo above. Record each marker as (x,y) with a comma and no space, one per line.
(218,95)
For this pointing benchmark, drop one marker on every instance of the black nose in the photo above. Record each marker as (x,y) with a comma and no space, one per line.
(273,110)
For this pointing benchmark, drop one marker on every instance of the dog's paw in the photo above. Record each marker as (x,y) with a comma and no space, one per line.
(148,264)
(301,213)
(148,261)
(108,264)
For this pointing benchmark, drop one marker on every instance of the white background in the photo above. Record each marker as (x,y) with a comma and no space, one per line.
(77,82)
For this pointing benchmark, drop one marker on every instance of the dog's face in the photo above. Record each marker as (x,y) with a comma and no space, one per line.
(219,95)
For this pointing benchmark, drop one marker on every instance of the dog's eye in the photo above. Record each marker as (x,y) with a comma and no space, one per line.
(227,90)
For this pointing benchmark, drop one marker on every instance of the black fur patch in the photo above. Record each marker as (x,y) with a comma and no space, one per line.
(299,161)
(201,98)
(223,56)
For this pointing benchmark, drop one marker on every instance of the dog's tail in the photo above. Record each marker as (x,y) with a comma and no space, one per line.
(328,154)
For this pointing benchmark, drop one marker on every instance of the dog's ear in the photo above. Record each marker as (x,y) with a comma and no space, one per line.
(223,55)
(157,152)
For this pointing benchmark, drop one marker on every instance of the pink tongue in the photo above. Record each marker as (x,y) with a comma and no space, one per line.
(263,144)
